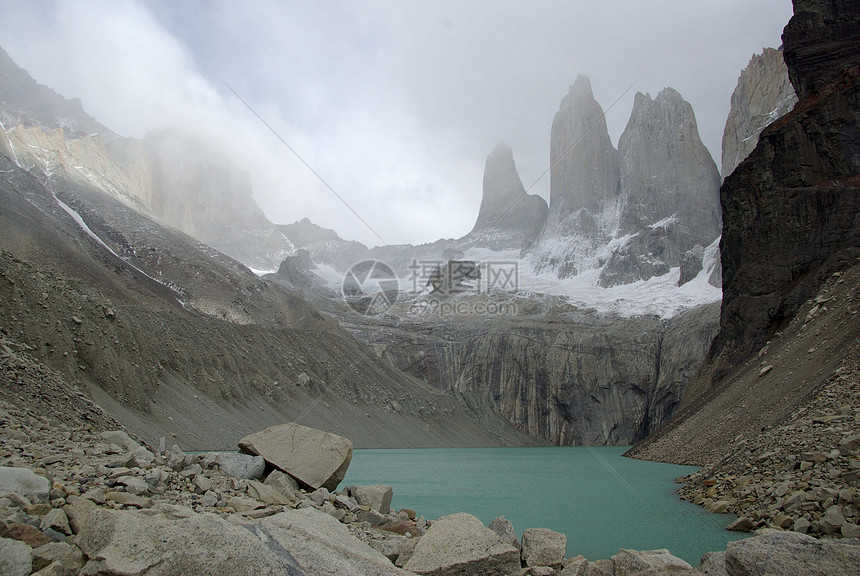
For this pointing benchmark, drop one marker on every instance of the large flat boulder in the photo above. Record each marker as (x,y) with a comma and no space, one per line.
(24,482)
(460,544)
(151,543)
(315,458)
(779,553)
(324,546)
(633,562)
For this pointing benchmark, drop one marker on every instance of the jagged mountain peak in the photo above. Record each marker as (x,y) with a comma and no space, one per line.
(509,217)
(763,94)
(581,87)
(25,101)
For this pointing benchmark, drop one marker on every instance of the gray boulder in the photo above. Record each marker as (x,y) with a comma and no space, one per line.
(24,482)
(377,496)
(630,562)
(241,465)
(120,438)
(543,547)
(576,566)
(14,558)
(714,564)
(461,544)
(323,546)
(283,483)
(177,459)
(131,543)
(779,553)
(505,531)
(313,457)
(65,557)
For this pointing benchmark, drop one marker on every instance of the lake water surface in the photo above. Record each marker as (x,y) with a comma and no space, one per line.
(599,499)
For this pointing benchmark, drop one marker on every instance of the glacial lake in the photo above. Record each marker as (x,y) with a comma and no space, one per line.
(599,499)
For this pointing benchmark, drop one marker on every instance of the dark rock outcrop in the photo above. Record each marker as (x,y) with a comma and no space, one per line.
(509,217)
(790,245)
(821,43)
(763,94)
(792,209)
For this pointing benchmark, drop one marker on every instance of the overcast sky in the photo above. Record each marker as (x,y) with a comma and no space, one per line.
(396,104)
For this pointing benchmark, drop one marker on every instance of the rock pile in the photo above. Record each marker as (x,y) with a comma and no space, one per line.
(75,499)
(803,475)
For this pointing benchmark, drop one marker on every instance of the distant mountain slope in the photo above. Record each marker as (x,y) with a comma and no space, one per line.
(24,101)
(175,339)
(180,179)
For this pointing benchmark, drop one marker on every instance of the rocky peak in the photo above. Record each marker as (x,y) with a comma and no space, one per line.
(669,190)
(25,101)
(666,171)
(584,164)
(509,216)
(821,40)
(763,94)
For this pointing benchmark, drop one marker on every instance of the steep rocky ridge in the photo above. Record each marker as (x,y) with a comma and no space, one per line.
(820,43)
(509,217)
(554,373)
(764,93)
(791,215)
(182,180)
(173,338)
(24,101)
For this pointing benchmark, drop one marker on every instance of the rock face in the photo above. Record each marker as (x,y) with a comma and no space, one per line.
(543,547)
(29,103)
(807,164)
(763,94)
(632,562)
(509,217)
(461,544)
(15,557)
(584,185)
(573,381)
(199,190)
(668,190)
(315,458)
(184,181)
(629,214)
(377,496)
(134,543)
(820,43)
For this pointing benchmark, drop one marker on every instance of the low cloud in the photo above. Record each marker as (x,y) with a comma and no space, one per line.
(395,104)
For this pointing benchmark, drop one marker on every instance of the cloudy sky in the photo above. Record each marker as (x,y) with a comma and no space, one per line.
(395,103)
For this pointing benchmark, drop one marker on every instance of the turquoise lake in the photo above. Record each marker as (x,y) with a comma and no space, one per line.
(599,499)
